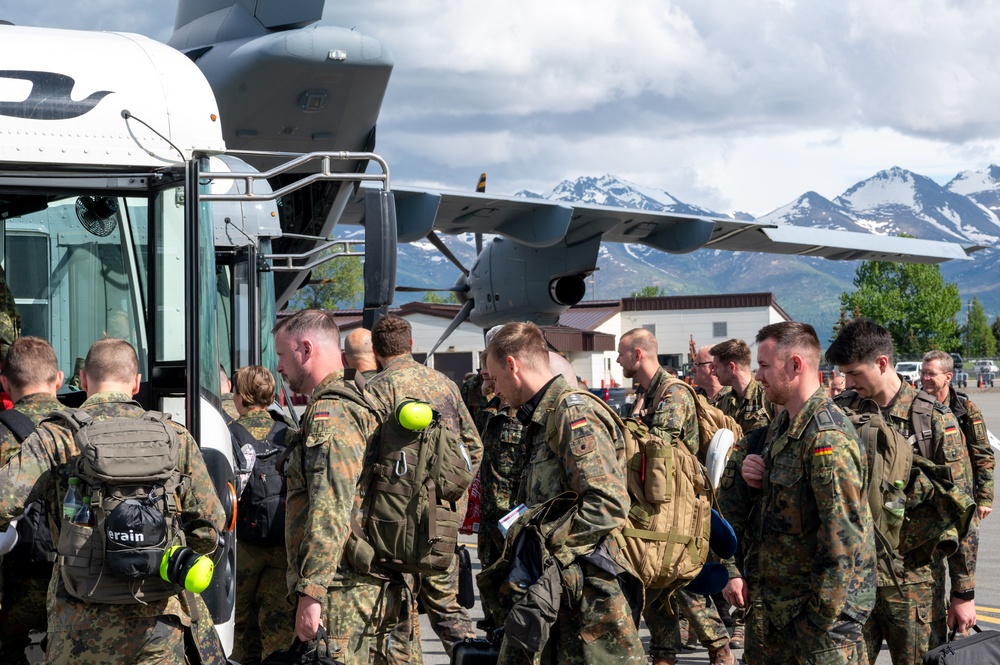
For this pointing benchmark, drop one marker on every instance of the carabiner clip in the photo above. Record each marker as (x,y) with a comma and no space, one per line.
(400,474)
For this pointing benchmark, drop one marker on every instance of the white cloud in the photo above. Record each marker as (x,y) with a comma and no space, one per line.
(732,106)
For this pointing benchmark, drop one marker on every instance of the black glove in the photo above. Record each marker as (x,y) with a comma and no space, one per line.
(530,620)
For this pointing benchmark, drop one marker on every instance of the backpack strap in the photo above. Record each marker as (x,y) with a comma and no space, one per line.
(20,425)
(921,411)
(276,436)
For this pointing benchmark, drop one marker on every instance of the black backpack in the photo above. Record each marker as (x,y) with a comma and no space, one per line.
(261,508)
(34,537)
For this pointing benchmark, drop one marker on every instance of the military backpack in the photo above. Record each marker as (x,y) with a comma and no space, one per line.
(411,485)
(666,533)
(128,467)
(261,508)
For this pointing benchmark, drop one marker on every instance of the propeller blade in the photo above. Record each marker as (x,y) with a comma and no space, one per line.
(441,247)
(459,319)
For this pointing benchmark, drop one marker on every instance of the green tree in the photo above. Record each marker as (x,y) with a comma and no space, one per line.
(336,284)
(911,300)
(440,297)
(980,338)
(650,291)
(995,328)
(843,321)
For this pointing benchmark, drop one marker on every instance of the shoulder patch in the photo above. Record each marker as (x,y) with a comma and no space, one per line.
(825,420)
(575,399)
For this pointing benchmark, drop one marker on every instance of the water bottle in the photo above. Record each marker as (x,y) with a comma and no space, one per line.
(86,516)
(896,506)
(72,502)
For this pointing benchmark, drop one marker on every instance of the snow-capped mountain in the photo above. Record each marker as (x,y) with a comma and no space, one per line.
(983,187)
(609,190)
(899,201)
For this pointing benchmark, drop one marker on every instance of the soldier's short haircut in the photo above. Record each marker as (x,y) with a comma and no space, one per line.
(392,336)
(860,341)
(314,322)
(732,351)
(523,341)
(945,359)
(793,336)
(640,338)
(255,386)
(111,359)
(30,361)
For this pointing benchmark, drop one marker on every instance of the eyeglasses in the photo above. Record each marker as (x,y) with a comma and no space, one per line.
(932,374)
(707,362)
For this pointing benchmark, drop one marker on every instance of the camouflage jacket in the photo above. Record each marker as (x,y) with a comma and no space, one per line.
(750,411)
(587,458)
(44,464)
(948,449)
(229,412)
(970,420)
(504,459)
(719,397)
(10,319)
(669,411)
(475,401)
(322,476)
(259,423)
(404,377)
(36,406)
(816,547)
(739,503)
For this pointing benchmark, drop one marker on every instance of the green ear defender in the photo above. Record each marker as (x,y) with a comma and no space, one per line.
(185,567)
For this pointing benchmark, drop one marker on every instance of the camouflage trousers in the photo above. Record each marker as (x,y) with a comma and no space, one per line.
(404,646)
(912,623)
(594,629)
(360,621)
(136,641)
(661,619)
(265,621)
(439,597)
(802,642)
(23,609)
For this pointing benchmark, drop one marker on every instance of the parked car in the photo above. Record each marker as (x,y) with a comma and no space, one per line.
(985,367)
(909,371)
(615,397)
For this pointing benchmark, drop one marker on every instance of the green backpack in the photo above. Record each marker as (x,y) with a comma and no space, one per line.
(411,486)
(129,469)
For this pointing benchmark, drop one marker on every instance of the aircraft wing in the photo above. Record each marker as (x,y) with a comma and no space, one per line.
(536,222)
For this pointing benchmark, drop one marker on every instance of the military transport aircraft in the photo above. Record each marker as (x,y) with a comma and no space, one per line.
(284,83)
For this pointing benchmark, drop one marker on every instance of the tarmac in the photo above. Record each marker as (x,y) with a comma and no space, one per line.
(987,574)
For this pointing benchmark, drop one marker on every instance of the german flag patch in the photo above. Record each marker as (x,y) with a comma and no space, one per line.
(577,424)
(819,451)
(322,415)
(950,429)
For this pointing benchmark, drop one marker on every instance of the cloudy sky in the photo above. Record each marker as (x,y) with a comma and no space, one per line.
(732,106)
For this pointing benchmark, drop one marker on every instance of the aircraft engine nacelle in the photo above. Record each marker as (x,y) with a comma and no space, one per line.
(513,282)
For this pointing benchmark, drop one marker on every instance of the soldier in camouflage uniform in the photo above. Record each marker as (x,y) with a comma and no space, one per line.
(705,379)
(31,376)
(746,404)
(813,579)
(358,353)
(504,459)
(935,379)
(666,406)
(264,619)
(911,617)
(80,633)
(595,622)
(322,474)
(402,377)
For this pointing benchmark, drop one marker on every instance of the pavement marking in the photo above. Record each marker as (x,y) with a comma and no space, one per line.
(980,617)
(988,609)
